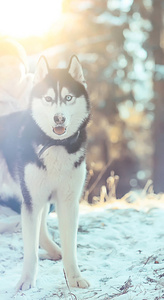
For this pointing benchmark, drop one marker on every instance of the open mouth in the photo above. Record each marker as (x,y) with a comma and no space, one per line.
(59,130)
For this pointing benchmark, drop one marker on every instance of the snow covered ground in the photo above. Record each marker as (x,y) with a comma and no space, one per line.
(120,252)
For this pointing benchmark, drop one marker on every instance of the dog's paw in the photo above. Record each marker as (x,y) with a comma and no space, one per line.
(56,255)
(79,282)
(25,284)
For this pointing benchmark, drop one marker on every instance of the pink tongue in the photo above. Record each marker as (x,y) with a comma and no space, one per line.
(59,130)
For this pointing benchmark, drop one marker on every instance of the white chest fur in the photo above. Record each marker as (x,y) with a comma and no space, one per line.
(59,173)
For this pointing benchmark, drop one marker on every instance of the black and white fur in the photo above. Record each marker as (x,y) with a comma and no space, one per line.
(42,157)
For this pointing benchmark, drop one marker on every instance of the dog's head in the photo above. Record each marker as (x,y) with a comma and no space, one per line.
(59,99)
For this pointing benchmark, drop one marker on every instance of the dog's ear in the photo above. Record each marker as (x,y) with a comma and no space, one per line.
(76,71)
(42,70)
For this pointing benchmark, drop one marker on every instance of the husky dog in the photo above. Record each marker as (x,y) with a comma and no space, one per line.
(43,154)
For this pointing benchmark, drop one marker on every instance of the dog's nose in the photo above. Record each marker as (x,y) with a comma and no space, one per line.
(59,119)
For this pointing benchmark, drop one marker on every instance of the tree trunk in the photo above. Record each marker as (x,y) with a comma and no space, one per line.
(158,163)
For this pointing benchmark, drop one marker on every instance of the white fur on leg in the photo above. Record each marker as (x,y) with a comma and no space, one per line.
(53,250)
(30,230)
(68,221)
(67,210)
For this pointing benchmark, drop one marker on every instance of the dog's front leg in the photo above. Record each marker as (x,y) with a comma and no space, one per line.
(30,229)
(67,210)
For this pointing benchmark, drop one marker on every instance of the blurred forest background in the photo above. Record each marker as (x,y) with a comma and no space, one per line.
(120,44)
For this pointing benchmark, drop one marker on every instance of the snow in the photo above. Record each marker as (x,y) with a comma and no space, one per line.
(120,251)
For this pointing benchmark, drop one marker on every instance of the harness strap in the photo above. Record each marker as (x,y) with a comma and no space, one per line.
(68,141)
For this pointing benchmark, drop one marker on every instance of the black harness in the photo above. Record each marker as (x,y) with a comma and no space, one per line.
(70,141)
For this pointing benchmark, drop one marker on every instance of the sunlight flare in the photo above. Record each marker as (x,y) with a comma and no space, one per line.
(21,18)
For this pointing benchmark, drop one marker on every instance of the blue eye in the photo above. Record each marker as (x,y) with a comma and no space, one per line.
(68,98)
(48,98)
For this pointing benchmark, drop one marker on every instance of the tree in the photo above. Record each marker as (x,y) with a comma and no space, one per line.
(158,52)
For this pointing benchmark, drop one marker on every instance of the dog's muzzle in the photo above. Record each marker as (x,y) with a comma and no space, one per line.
(59,120)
